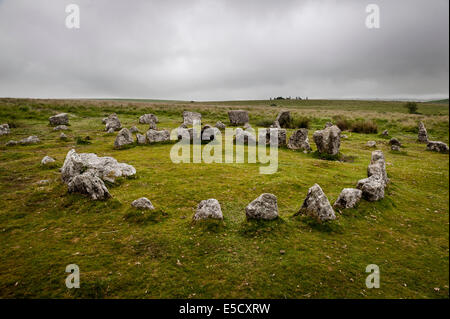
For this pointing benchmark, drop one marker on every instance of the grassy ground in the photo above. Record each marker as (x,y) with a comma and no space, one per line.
(122,252)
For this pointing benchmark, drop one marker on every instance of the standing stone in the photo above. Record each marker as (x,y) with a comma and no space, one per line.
(372,188)
(123,138)
(47,160)
(371,144)
(284,119)
(154,136)
(328,140)
(220,125)
(142,203)
(148,118)
(299,140)
(245,137)
(141,139)
(59,119)
(394,141)
(134,129)
(377,166)
(436,146)
(263,207)
(280,134)
(190,117)
(4,129)
(112,123)
(316,204)
(209,133)
(238,117)
(89,184)
(209,208)
(423,135)
(348,198)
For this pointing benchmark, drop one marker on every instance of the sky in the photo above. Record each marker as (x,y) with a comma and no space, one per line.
(225,50)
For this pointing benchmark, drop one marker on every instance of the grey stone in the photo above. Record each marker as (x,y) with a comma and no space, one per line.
(134,129)
(316,205)
(245,137)
(284,119)
(299,140)
(279,133)
(11,143)
(348,198)
(437,146)
(190,117)
(385,133)
(148,119)
(328,140)
(30,140)
(394,141)
(238,117)
(328,124)
(209,208)
(372,188)
(4,129)
(247,126)
(210,133)
(123,138)
(154,136)
(377,167)
(371,144)
(59,119)
(263,207)
(422,135)
(89,184)
(395,148)
(47,160)
(220,125)
(60,128)
(63,137)
(143,203)
(43,182)
(112,123)
(141,139)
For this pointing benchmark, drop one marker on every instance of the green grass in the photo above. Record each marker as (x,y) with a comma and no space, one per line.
(123,252)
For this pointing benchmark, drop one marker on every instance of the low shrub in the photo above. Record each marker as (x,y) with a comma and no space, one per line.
(364,126)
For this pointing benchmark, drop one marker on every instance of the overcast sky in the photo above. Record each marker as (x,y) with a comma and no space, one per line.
(224,50)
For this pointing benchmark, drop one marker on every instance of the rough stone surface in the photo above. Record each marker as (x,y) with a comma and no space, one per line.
(123,138)
(437,146)
(263,207)
(371,144)
(238,117)
(142,203)
(190,117)
(134,129)
(209,208)
(316,204)
(422,135)
(377,167)
(60,128)
(47,160)
(280,134)
(245,137)
(284,119)
(394,141)
(395,148)
(220,125)
(63,136)
(4,129)
(154,136)
(107,168)
(59,119)
(348,198)
(141,139)
(299,140)
(30,140)
(11,143)
(89,184)
(183,132)
(112,123)
(209,133)
(148,119)
(372,188)
(328,140)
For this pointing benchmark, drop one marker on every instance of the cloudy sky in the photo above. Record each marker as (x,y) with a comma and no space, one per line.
(224,50)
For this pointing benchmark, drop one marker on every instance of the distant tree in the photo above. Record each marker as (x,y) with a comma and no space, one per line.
(412,107)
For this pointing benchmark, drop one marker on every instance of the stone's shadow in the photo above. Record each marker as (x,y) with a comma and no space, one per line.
(143,217)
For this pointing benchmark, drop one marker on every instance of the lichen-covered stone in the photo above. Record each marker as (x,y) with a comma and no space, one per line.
(263,207)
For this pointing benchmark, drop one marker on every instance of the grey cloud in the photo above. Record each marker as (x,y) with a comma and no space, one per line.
(203,49)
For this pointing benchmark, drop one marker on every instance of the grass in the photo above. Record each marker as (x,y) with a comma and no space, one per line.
(123,252)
